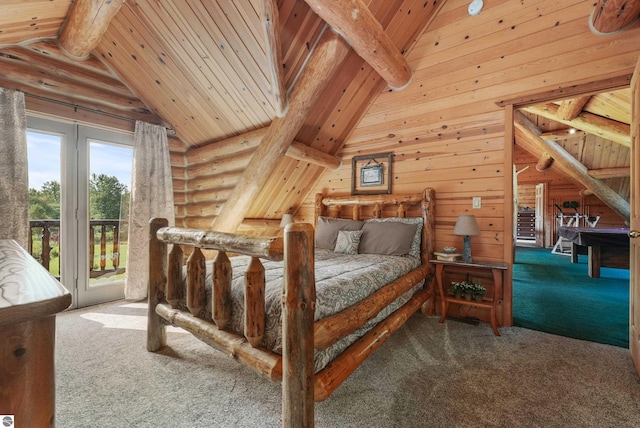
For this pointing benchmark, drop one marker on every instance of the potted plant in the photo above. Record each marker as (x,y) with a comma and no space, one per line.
(468,290)
(478,292)
(456,289)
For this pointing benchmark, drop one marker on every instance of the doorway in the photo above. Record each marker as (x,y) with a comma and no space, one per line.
(568,193)
(79,181)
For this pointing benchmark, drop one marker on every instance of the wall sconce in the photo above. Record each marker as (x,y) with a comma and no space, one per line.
(286,219)
(466,226)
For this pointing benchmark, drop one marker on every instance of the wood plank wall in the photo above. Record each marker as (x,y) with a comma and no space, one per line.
(446,130)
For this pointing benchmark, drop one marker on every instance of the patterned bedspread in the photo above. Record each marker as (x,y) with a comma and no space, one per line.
(341,281)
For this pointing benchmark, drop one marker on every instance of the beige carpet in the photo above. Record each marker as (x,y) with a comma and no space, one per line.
(427,375)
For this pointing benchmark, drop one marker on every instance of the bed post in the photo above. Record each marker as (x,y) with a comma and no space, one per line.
(429,246)
(319,208)
(428,231)
(156,336)
(299,301)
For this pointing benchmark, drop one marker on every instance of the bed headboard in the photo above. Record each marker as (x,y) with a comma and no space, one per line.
(380,206)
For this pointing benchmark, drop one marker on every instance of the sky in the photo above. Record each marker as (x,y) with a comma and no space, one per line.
(44,160)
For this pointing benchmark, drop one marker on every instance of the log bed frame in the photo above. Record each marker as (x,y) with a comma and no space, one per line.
(295,367)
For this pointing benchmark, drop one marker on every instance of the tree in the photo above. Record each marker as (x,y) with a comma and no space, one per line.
(45,203)
(106,194)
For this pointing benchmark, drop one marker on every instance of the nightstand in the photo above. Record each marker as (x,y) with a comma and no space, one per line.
(490,302)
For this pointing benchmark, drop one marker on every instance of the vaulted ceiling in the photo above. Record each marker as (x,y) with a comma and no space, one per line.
(588,138)
(203,68)
(211,70)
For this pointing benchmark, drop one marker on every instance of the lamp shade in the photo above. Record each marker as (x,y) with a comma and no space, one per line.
(286,219)
(466,226)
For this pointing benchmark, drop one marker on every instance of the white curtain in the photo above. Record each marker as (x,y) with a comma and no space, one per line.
(14,174)
(151,196)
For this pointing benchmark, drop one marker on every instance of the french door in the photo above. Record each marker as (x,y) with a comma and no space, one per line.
(90,168)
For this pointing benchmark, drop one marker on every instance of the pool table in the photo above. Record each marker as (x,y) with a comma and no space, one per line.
(606,247)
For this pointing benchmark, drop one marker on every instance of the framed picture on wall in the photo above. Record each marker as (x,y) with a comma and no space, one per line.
(371,174)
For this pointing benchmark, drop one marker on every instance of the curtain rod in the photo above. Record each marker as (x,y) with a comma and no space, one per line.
(170,130)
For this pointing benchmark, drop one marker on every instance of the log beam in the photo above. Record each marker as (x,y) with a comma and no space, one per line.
(603,173)
(528,137)
(354,20)
(570,109)
(562,134)
(271,19)
(611,16)
(590,123)
(249,141)
(306,153)
(544,162)
(323,63)
(86,24)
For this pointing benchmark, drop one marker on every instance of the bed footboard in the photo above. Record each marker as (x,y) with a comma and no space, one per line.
(295,368)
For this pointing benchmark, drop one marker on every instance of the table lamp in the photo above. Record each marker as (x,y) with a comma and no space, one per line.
(467,227)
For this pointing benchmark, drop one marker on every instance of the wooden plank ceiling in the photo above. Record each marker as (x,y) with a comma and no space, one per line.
(205,69)
(594,130)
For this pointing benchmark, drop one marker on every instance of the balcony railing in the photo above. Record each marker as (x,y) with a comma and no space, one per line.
(104,239)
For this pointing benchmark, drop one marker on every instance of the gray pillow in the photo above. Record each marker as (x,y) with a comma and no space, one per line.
(416,244)
(327,230)
(392,238)
(348,241)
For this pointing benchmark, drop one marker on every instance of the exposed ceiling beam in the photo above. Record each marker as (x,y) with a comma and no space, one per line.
(250,141)
(528,137)
(590,123)
(271,19)
(570,109)
(544,162)
(562,134)
(323,63)
(595,87)
(354,20)
(603,173)
(306,153)
(611,16)
(85,26)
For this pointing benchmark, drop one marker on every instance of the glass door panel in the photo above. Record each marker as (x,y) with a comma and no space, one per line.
(44,199)
(108,179)
(79,206)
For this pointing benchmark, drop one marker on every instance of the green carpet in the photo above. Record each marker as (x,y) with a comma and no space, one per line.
(553,295)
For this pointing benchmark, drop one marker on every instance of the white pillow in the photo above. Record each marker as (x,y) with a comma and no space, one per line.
(348,241)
